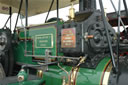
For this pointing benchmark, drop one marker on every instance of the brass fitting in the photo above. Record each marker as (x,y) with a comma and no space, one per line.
(40,73)
(90,36)
(64,81)
(72,12)
(87,37)
(82,60)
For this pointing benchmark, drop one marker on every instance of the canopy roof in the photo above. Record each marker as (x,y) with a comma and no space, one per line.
(34,6)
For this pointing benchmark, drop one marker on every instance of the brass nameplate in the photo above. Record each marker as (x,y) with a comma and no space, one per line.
(44,41)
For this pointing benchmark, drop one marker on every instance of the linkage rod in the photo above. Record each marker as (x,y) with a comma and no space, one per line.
(107,33)
(118,34)
(21,2)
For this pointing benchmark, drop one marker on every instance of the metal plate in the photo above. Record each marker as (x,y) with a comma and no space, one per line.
(44,41)
(68,38)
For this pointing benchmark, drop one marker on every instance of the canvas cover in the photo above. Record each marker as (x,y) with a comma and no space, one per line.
(34,7)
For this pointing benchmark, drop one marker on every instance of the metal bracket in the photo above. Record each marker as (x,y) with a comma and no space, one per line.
(47,54)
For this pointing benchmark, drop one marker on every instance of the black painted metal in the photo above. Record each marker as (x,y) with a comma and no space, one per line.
(10,13)
(122,77)
(87,5)
(26,13)
(21,2)
(5,57)
(107,35)
(57,7)
(96,48)
(49,10)
(6,22)
(118,33)
(9,18)
(11,61)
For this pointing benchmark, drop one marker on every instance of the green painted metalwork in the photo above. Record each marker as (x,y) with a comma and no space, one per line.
(23,74)
(85,76)
(19,54)
(92,76)
(44,37)
(39,39)
(44,41)
(39,32)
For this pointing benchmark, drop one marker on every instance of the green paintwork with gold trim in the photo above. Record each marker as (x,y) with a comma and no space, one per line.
(85,76)
(40,38)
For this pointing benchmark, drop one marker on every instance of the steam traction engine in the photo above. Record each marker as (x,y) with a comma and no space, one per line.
(80,51)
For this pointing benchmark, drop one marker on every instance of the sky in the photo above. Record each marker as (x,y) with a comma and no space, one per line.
(63,13)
